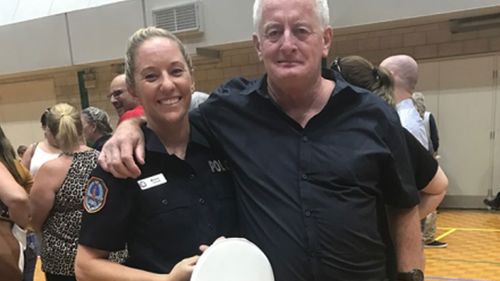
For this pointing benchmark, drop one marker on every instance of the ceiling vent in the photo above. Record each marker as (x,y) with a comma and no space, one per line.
(181,19)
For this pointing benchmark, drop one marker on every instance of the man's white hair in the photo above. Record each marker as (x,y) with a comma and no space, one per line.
(320,6)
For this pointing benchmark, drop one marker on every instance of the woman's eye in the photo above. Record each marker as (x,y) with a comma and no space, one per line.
(177,71)
(150,77)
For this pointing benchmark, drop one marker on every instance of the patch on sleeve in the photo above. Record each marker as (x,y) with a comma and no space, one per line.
(95,195)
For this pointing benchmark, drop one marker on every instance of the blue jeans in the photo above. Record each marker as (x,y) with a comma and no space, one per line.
(30,256)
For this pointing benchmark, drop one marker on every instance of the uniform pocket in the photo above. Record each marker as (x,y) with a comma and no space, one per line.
(164,199)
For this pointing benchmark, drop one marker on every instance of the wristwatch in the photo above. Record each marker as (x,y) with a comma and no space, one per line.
(414,275)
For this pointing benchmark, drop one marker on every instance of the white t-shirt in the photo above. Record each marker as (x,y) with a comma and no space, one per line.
(40,156)
(411,120)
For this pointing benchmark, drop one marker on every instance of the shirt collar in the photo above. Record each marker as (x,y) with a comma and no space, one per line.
(405,104)
(259,86)
(154,144)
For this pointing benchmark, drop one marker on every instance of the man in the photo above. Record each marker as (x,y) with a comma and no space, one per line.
(126,105)
(197,98)
(318,174)
(404,70)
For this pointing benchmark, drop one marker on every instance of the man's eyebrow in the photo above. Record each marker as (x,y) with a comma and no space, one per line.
(115,92)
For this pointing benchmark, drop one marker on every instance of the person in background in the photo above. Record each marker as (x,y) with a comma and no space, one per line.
(57,193)
(404,70)
(35,156)
(361,72)
(321,166)
(21,150)
(181,201)
(126,105)
(96,127)
(493,203)
(429,222)
(429,122)
(42,151)
(15,182)
(197,98)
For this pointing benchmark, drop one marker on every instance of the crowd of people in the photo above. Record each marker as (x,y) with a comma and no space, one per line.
(331,172)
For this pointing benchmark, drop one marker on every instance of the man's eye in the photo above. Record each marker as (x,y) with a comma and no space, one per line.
(273,34)
(301,33)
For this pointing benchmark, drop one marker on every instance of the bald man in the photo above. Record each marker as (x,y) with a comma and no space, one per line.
(404,70)
(126,105)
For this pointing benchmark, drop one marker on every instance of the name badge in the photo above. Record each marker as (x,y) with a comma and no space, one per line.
(152,181)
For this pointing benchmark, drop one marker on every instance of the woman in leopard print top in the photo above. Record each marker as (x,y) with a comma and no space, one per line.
(56,196)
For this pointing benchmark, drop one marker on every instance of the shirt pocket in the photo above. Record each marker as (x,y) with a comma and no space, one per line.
(164,199)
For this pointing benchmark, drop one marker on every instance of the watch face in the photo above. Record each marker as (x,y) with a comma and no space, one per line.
(414,275)
(418,275)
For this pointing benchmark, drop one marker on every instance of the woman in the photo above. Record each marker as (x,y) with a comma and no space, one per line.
(56,196)
(14,208)
(362,73)
(33,158)
(96,127)
(180,201)
(42,151)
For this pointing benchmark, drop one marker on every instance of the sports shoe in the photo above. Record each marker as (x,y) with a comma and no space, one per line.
(436,244)
(492,204)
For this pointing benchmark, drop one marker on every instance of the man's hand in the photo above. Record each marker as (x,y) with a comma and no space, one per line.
(117,155)
(182,270)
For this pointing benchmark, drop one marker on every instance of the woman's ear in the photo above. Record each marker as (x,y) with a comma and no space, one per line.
(193,87)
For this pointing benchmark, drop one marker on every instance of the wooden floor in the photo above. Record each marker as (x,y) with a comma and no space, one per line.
(473,253)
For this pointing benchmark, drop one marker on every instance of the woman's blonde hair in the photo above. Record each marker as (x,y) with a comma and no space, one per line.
(65,124)
(141,36)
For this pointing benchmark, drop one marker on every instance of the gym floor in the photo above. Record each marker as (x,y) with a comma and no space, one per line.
(473,252)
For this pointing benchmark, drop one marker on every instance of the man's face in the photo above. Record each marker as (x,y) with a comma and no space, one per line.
(120,98)
(291,41)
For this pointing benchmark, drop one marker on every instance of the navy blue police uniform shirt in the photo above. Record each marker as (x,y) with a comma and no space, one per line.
(165,214)
(312,198)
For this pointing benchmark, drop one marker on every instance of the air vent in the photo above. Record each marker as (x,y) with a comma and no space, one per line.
(178,19)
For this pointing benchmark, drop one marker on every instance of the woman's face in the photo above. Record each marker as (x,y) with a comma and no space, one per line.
(88,129)
(163,81)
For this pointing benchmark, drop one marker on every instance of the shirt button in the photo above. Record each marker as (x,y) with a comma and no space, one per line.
(164,201)
(305,139)
(307,213)
(191,176)
(304,176)
(202,201)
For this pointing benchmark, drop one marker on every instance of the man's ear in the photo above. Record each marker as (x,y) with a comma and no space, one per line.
(327,40)
(256,43)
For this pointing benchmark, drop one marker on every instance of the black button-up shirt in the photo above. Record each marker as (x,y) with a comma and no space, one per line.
(165,214)
(311,198)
